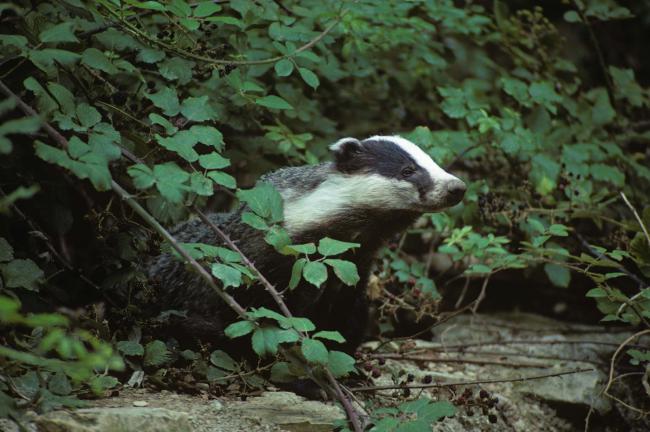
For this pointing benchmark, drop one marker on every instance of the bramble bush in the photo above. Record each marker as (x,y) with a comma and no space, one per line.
(187,103)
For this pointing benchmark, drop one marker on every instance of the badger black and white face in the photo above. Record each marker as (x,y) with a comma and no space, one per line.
(380,173)
(392,166)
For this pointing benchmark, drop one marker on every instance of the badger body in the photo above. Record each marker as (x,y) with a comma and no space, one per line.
(372,190)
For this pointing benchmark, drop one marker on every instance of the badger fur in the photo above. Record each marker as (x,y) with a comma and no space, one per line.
(372,190)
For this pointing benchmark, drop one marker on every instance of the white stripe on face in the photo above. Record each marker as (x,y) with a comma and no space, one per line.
(341,193)
(419,156)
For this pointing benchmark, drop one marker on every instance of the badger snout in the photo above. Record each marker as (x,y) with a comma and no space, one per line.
(454,191)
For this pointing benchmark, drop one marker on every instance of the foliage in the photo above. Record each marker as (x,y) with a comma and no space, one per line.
(188,103)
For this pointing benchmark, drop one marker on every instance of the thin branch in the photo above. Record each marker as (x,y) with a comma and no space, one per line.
(466,383)
(433,359)
(186,54)
(638,218)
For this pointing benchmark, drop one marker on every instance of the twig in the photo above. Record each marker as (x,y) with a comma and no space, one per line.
(638,218)
(137,32)
(536,342)
(612,364)
(465,383)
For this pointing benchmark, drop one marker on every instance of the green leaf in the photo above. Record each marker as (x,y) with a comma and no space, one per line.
(264,200)
(284,67)
(143,177)
(170,179)
(309,77)
(222,360)
(182,143)
(197,109)
(59,33)
(265,341)
(213,161)
(596,293)
(273,102)
(230,276)
(254,220)
(59,384)
(315,273)
(307,248)
(6,251)
(344,270)
(314,351)
(170,129)
(543,92)
(238,329)
(296,272)
(156,353)
(130,348)
(208,135)
(96,59)
(88,115)
(558,275)
(205,9)
(21,273)
(571,16)
(328,246)
(167,100)
(558,230)
(340,364)
(280,373)
(330,335)
(223,179)
(301,324)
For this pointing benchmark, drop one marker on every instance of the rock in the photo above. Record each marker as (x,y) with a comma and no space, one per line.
(140,403)
(289,411)
(114,420)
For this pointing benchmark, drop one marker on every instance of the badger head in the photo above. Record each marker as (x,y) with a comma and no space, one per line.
(396,174)
(379,175)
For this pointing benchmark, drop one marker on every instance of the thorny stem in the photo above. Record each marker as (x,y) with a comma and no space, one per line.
(229,300)
(466,383)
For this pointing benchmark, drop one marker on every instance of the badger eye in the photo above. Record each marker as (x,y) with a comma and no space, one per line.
(408,172)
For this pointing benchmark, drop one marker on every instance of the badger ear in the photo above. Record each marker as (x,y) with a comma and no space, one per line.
(345,148)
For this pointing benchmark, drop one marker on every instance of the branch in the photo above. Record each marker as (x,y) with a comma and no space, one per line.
(465,383)
(186,54)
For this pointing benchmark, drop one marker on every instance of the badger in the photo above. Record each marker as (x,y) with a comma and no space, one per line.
(373,189)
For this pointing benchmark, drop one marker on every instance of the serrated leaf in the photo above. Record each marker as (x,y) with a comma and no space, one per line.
(197,109)
(231,277)
(205,9)
(280,373)
(314,351)
(6,251)
(59,33)
(156,353)
(222,360)
(296,272)
(223,179)
(167,100)
(21,273)
(315,273)
(265,341)
(238,329)
(213,161)
(130,348)
(330,335)
(558,275)
(264,200)
(340,364)
(596,293)
(344,270)
(96,59)
(328,246)
(59,384)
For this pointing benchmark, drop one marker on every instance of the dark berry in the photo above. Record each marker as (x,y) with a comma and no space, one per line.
(410,378)
(484,394)
(151,84)
(358,355)
(381,361)
(427,379)
(469,412)
(376,373)
(367,366)
(492,418)
(407,392)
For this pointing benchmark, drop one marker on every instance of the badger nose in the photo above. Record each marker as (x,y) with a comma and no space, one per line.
(455,191)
